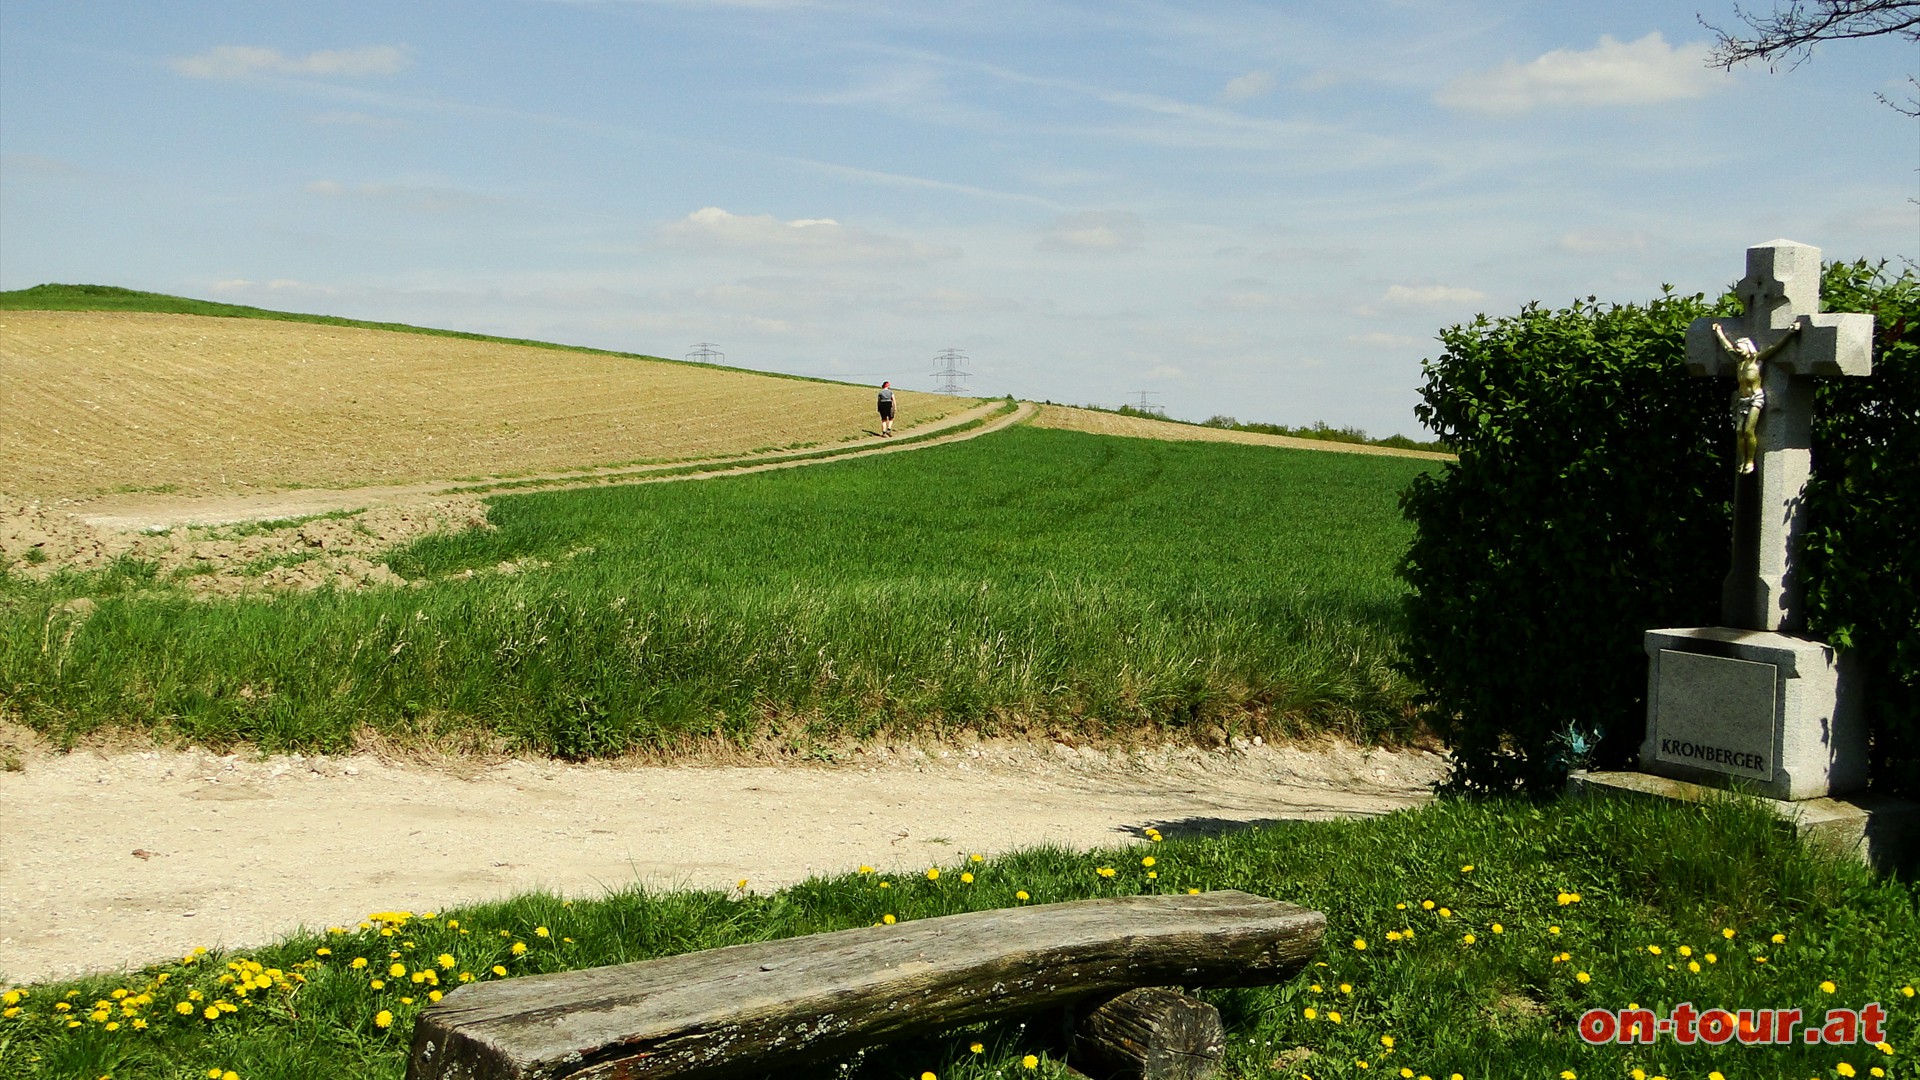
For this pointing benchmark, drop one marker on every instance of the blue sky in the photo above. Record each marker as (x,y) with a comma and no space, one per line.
(1262,210)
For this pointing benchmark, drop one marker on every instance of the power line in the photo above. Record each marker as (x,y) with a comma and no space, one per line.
(950,367)
(706,352)
(1146,406)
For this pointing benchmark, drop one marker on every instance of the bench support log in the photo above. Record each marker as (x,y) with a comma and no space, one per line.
(1152,1033)
(754,1008)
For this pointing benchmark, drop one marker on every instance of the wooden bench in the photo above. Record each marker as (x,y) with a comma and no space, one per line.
(750,1009)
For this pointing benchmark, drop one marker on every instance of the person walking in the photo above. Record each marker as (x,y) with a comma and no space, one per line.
(886,408)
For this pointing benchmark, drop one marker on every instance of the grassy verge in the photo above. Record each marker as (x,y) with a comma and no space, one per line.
(1462,939)
(1031,580)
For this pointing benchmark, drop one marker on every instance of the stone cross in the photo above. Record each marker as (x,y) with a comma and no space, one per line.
(1795,342)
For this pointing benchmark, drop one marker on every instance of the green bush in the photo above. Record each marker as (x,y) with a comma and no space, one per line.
(1863,580)
(1590,503)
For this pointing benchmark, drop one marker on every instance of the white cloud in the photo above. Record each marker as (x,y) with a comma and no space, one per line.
(1431,296)
(812,240)
(1643,72)
(1165,371)
(350,118)
(1603,241)
(419,198)
(1093,231)
(1251,85)
(1390,341)
(239,61)
(242,285)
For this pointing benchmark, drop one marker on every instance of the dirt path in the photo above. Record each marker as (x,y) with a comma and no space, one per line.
(115,860)
(126,512)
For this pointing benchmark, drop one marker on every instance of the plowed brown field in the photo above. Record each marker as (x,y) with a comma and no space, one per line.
(97,402)
(1140,427)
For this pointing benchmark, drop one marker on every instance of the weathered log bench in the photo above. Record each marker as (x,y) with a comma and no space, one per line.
(749,1009)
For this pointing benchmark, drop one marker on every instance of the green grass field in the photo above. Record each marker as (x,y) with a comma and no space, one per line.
(1462,939)
(1028,580)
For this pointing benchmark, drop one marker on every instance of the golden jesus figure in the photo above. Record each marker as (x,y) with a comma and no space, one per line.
(1748,396)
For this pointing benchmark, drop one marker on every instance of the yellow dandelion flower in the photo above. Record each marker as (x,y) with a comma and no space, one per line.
(1827,986)
(1386,1041)
(1147,861)
(377,984)
(1030,1062)
(1360,943)
(865,869)
(396,971)
(928,1076)
(445,960)
(966,878)
(933,873)
(1022,895)
(1685,950)
(1654,949)
(1584,977)
(1346,988)
(1468,939)
(1333,1015)
(1105,871)
(519,948)
(1446,913)
(113,1025)
(1779,939)
(1426,905)
(213,1074)
(1193,892)
(1844,1069)
(1693,966)
(1553,930)
(211,1013)
(1569,1074)
(888,919)
(541,931)
(383,1019)
(498,970)
(1497,928)
(358,963)
(1712,959)
(977,1048)
(1467,869)
(1393,935)
(1310,1012)
(886,884)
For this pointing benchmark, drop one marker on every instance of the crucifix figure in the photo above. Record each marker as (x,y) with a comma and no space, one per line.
(1773,351)
(1749,395)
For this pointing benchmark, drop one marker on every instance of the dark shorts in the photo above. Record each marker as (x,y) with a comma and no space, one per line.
(886,412)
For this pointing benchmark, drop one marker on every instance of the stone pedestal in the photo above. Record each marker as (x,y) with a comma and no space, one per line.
(1767,712)
(1879,830)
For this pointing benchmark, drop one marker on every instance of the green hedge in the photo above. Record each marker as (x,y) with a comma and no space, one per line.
(1590,503)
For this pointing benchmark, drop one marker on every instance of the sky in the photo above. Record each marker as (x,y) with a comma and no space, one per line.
(1262,210)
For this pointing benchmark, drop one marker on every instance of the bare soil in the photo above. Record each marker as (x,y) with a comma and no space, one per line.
(106,402)
(116,859)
